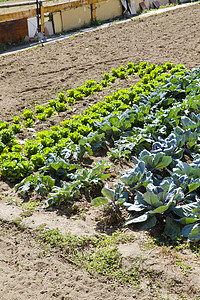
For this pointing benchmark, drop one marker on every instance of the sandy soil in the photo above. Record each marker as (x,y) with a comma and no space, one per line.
(30,271)
(38,74)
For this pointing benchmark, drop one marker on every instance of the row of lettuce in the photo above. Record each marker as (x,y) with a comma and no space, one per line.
(65,101)
(156,123)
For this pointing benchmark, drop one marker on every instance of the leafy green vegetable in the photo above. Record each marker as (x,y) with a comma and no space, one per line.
(28,123)
(16,120)
(153,204)
(16,128)
(40,183)
(7,137)
(116,196)
(27,114)
(15,167)
(154,161)
(135,178)
(4,125)
(58,168)
(66,193)
(118,154)
(38,160)
(61,106)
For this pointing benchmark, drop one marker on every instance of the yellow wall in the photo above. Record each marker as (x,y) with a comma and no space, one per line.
(75,17)
(109,9)
(57,22)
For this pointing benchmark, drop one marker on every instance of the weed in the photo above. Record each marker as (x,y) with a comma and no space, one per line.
(185,269)
(41,227)
(104,261)
(26,214)
(17,221)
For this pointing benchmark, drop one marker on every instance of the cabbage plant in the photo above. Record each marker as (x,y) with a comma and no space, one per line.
(190,219)
(136,178)
(116,197)
(153,161)
(155,204)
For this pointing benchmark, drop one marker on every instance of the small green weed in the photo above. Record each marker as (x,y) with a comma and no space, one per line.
(105,261)
(185,269)
(17,221)
(26,214)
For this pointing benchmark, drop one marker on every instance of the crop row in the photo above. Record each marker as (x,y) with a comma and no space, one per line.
(64,101)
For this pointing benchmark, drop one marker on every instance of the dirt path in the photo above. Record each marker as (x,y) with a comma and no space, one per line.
(35,76)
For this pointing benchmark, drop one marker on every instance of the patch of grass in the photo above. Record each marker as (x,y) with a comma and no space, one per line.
(104,261)
(107,261)
(55,238)
(26,214)
(31,205)
(98,254)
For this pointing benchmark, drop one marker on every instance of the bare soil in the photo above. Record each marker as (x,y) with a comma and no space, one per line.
(33,77)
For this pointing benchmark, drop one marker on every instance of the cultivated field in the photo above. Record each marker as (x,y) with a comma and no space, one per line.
(111,260)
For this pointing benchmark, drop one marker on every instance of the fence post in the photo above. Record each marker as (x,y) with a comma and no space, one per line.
(93,6)
(38,17)
(42,16)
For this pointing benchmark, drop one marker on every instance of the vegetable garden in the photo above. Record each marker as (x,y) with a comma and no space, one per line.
(99,163)
(155,124)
